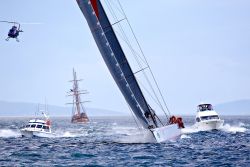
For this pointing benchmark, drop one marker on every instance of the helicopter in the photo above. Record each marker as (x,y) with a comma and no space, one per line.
(14,31)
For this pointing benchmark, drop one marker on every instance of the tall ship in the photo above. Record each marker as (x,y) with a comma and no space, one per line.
(116,60)
(78,110)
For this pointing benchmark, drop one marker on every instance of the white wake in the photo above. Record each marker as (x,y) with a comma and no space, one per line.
(234,128)
(241,128)
(7,133)
(132,135)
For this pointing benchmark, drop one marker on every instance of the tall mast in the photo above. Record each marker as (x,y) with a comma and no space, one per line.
(78,111)
(116,61)
(76,93)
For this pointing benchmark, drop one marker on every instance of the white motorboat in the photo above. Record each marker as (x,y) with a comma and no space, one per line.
(37,128)
(207,118)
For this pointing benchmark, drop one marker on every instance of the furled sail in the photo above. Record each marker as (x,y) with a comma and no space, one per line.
(116,61)
(78,113)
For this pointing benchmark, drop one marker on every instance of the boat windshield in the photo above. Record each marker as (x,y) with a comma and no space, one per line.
(33,125)
(39,126)
(46,128)
(209,117)
(205,107)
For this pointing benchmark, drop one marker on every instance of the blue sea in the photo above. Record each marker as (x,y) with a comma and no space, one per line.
(116,141)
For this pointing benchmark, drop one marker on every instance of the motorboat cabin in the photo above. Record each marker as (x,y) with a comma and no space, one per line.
(37,127)
(207,118)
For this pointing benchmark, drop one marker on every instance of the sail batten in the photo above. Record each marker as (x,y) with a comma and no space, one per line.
(116,61)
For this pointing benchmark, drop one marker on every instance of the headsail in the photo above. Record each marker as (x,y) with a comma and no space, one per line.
(116,61)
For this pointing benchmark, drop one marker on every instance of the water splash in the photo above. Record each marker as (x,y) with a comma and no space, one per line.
(234,128)
(183,136)
(190,129)
(125,130)
(126,134)
(7,133)
(138,137)
(67,134)
(70,133)
(241,127)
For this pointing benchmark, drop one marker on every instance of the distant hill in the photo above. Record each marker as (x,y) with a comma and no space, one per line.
(239,107)
(29,109)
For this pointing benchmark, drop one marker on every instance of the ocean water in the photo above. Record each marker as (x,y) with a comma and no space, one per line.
(117,141)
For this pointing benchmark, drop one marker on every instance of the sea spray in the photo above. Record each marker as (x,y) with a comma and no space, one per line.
(6,133)
(233,128)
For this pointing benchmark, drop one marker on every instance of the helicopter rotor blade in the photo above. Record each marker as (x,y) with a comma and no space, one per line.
(11,22)
(26,23)
(32,23)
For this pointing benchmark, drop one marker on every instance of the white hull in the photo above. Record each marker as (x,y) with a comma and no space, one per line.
(209,125)
(169,132)
(30,133)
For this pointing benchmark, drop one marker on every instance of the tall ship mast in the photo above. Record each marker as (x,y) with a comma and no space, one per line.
(78,111)
(121,71)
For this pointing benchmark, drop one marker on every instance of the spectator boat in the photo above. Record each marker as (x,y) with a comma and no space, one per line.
(38,128)
(207,118)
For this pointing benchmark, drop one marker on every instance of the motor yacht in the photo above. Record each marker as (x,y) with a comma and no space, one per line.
(207,118)
(38,128)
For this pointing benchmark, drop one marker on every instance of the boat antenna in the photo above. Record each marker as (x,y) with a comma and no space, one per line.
(37,110)
(46,107)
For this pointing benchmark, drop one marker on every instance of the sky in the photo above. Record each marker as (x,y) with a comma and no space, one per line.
(198,50)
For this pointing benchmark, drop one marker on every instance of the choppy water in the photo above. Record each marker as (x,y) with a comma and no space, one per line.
(117,142)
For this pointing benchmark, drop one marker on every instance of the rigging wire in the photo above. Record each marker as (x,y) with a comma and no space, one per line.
(135,53)
(129,45)
(132,93)
(145,59)
(117,7)
(124,34)
(144,87)
(132,49)
(138,62)
(125,38)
